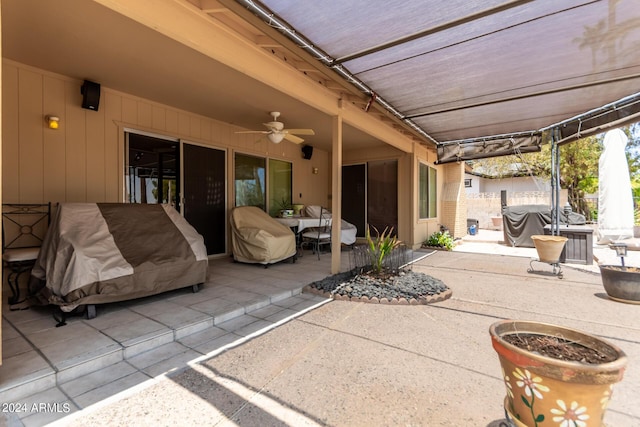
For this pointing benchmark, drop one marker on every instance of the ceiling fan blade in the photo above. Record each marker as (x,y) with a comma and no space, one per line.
(293,138)
(301,131)
(252,131)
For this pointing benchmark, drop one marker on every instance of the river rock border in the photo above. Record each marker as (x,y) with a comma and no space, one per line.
(422,300)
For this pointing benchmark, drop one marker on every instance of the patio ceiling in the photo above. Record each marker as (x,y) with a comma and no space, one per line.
(438,71)
(85,40)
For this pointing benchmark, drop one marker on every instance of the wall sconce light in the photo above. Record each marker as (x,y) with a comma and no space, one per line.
(314,171)
(53,122)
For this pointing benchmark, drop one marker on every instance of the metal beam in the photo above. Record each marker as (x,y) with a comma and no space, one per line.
(433,30)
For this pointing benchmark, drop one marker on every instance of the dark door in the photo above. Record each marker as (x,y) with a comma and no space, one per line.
(382,195)
(204,194)
(354,194)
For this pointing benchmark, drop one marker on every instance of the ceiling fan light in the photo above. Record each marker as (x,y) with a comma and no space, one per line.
(275,137)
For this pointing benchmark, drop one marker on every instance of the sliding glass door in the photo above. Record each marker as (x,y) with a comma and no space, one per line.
(154,175)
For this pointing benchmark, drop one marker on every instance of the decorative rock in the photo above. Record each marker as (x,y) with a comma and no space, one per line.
(404,288)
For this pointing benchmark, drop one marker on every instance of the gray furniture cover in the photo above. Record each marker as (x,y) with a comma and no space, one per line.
(106,252)
(523,221)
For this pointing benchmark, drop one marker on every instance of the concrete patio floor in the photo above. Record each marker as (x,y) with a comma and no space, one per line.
(340,363)
(130,342)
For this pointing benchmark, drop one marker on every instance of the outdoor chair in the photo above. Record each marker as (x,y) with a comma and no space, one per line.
(23,229)
(258,238)
(318,236)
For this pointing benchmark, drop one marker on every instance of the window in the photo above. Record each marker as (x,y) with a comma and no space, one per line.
(253,178)
(250,181)
(467,183)
(280,178)
(427,192)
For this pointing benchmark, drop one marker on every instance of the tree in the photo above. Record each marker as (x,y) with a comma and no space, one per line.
(578,167)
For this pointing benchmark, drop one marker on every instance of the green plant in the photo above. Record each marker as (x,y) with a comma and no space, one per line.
(440,239)
(380,246)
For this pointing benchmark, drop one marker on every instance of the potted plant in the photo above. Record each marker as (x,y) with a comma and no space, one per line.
(621,283)
(549,247)
(284,207)
(555,376)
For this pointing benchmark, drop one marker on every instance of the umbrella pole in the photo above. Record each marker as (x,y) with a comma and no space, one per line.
(555,183)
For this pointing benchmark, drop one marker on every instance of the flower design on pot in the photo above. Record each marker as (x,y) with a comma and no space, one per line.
(606,397)
(507,382)
(570,416)
(532,385)
(532,388)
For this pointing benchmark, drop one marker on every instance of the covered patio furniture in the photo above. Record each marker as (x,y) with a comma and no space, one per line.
(258,238)
(520,222)
(348,231)
(98,253)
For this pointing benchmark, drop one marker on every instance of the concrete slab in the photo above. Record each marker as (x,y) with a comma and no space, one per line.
(361,364)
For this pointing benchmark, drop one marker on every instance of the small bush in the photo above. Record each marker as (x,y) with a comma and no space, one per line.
(380,247)
(440,239)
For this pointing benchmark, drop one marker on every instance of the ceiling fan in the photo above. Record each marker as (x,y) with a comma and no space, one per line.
(276,132)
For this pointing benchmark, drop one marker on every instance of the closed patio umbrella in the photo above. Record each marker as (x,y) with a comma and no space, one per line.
(615,199)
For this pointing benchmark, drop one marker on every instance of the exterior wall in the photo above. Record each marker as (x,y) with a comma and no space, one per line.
(83,160)
(515,184)
(483,197)
(453,200)
(484,206)
(423,228)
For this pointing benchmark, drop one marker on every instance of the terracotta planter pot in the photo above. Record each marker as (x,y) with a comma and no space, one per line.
(549,248)
(621,283)
(543,391)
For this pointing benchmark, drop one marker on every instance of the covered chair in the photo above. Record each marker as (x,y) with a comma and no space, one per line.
(258,238)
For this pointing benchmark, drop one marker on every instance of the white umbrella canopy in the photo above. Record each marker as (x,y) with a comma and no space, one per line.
(615,199)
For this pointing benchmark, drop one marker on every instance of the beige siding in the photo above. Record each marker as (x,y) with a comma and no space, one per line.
(423,228)
(53,142)
(10,183)
(83,160)
(30,148)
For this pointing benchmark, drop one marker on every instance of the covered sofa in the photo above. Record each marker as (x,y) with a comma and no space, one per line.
(348,231)
(257,238)
(106,252)
(520,222)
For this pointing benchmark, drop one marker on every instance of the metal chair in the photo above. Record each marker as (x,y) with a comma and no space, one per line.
(23,229)
(319,236)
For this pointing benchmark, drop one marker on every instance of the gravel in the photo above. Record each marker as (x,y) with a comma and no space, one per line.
(405,284)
